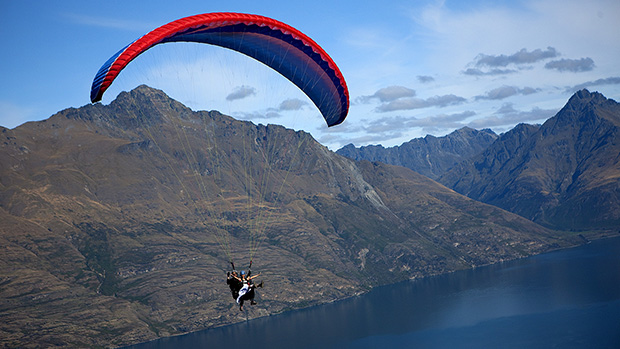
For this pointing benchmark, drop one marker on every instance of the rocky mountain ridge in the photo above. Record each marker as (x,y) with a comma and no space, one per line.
(431,156)
(564,174)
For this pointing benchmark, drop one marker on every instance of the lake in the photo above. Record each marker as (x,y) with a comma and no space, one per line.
(563,299)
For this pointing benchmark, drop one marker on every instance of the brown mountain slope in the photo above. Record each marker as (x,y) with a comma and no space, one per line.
(118,223)
(563,175)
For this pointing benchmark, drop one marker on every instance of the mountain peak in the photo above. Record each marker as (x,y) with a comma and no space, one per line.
(585,96)
(144,94)
(148,104)
(586,104)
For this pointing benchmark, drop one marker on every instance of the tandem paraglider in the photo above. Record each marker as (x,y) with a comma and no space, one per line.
(279,46)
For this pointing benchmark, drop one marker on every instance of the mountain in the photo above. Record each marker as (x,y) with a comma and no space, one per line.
(118,222)
(431,156)
(564,174)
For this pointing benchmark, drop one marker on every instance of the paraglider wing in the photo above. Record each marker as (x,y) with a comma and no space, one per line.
(278,45)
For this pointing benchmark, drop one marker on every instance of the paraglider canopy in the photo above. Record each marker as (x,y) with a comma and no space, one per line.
(280,46)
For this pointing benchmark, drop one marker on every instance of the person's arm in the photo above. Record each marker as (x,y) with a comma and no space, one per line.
(252,277)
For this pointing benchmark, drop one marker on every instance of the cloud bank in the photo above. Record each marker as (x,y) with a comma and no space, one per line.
(508,116)
(518,58)
(419,103)
(506,91)
(241,92)
(388,94)
(292,104)
(489,65)
(614,80)
(571,65)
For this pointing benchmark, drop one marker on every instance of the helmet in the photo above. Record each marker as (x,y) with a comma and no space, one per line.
(243,272)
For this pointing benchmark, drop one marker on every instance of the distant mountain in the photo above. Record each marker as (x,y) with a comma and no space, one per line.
(104,242)
(431,156)
(564,174)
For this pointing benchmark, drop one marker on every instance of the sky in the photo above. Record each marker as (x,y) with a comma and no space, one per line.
(412,67)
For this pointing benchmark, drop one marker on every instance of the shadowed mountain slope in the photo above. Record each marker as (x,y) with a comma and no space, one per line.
(564,174)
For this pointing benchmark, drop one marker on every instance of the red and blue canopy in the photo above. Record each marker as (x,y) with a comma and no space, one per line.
(280,46)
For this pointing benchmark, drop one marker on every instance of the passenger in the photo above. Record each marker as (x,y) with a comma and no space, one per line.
(247,289)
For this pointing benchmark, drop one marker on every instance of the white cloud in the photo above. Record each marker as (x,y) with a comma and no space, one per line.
(615,80)
(388,94)
(425,79)
(418,103)
(479,72)
(241,92)
(506,91)
(507,116)
(438,122)
(258,115)
(571,65)
(292,104)
(518,58)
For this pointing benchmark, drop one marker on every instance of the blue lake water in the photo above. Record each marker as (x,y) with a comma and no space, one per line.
(562,299)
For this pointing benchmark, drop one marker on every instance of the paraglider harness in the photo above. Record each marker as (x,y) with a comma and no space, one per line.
(243,289)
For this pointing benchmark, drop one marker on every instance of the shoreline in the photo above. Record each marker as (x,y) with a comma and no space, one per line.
(586,241)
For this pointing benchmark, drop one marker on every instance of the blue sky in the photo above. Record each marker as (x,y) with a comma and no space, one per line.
(412,67)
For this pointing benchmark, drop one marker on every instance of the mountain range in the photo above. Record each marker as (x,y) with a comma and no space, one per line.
(431,156)
(118,223)
(564,174)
